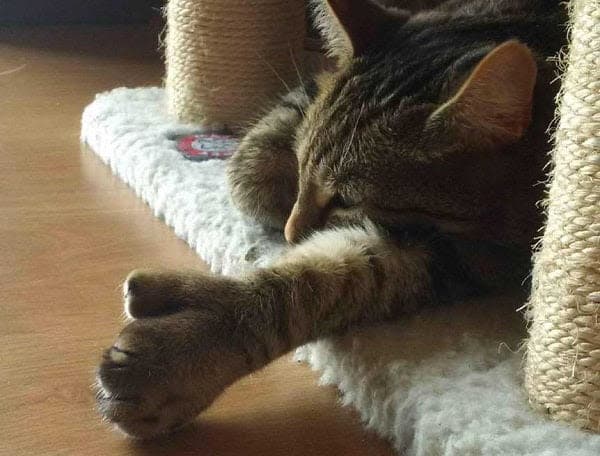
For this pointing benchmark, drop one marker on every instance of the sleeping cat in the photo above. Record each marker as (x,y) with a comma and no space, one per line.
(406,177)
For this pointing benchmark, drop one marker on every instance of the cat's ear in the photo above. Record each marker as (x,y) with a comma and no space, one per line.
(496,99)
(359,23)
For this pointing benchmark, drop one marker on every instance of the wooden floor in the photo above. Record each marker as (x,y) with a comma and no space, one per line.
(69,232)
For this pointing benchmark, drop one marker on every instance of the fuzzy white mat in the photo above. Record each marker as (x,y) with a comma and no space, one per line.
(446,382)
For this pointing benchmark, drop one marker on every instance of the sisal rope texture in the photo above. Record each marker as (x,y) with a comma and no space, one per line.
(226,58)
(562,371)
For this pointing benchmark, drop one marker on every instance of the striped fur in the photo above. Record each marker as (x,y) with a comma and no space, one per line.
(405,209)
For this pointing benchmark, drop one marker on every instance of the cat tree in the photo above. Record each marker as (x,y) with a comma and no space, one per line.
(224,58)
(562,372)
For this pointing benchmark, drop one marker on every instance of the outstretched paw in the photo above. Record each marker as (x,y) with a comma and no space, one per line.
(171,362)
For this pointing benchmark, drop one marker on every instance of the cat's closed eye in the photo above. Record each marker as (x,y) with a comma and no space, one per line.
(339,202)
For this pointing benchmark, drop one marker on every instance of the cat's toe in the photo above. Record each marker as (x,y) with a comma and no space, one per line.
(117,356)
(139,420)
(149,294)
(118,377)
(142,420)
(136,388)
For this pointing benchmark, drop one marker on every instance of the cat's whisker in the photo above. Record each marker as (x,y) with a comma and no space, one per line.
(275,72)
(351,139)
(302,85)
(285,84)
(298,72)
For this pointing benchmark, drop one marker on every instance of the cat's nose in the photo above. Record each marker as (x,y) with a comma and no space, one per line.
(300,222)
(308,213)
(290,231)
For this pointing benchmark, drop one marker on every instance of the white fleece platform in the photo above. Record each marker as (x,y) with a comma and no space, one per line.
(447,382)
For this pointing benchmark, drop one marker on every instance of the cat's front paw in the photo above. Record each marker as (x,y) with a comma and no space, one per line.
(164,370)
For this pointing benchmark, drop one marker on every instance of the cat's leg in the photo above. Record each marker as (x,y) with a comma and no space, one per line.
(195,334)
(263,173)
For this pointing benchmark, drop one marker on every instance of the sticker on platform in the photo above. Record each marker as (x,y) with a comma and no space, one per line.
(201,147)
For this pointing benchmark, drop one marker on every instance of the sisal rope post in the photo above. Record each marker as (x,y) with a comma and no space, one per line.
(562,371)
(226,58)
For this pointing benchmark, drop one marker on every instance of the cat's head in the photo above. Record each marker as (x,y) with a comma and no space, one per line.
(401,145)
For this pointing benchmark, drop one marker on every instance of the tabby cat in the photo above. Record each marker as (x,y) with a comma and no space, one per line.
(406,177)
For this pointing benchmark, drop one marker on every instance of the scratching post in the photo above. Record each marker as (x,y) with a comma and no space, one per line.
(226,58)
(562,372)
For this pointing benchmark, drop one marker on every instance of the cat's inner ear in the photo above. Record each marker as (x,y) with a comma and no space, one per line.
(496,98)
(363,22)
